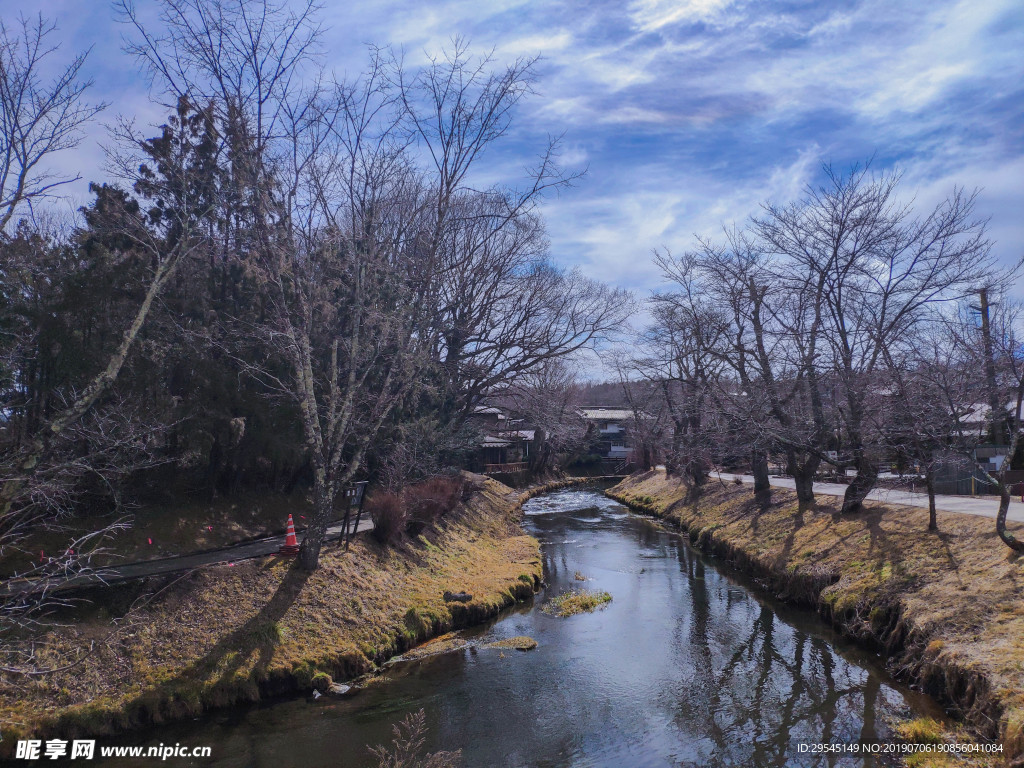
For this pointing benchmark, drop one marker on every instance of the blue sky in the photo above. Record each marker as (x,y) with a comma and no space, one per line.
(689,113)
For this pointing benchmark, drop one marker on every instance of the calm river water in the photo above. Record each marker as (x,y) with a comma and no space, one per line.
(687,666)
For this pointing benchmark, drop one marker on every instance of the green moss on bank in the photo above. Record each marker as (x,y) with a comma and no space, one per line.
(947,608)
(227,634)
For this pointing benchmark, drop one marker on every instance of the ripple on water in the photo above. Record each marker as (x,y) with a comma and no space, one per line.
(571,501)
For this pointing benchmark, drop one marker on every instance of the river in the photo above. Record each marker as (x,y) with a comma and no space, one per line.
(688,665)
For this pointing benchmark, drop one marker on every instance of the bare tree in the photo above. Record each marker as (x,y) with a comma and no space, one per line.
(503,309)
(760,338)
(876,267)
(774,403)
(350,292)
(547,397)
(808,306)
(998,338)
(37,118)
(923,399)
(357,215)
(686,330)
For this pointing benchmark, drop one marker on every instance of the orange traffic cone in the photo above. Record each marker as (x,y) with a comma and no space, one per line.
(290,548)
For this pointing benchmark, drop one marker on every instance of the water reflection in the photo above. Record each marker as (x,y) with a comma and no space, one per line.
(685,667)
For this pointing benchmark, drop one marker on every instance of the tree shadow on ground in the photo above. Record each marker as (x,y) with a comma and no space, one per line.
(258,636)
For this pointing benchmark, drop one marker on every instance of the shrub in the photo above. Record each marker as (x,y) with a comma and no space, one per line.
(586,460)
(429,501)
(407,747)
(388,514)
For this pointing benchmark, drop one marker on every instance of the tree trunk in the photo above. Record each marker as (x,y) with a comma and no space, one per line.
(646,457)
(804,488)
(759,467)
(540,456)
(998,423)
(672,460)
(929,479)
(803,478)
(1004,506)
(696,472)
(323,510)
(863,483)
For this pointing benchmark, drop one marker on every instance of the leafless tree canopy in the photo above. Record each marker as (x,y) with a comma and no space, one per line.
(38,118)
(826,332)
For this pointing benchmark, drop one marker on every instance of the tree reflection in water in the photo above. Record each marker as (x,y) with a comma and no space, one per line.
(756,695)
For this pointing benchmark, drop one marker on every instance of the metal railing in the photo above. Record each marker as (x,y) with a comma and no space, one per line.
(499,469)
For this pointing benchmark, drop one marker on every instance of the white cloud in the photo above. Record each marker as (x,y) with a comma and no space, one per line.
(613,233)
(950,50)
(652,15)
(528,45)
(616,68)
(881,62)
(634,115)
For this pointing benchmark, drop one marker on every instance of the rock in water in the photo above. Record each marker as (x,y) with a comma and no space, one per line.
(337,689)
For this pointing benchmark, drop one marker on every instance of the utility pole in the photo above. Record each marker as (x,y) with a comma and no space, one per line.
(990,370)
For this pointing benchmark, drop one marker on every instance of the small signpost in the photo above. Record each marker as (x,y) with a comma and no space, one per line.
(353,500)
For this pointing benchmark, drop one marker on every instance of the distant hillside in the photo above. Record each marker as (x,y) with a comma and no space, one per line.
(605,393)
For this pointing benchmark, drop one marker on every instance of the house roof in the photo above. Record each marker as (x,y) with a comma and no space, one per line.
(612,414)
(488,410)
(490,441)
(978,413)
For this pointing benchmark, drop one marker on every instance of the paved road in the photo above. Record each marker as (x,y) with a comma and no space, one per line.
(142,569)
(966,505)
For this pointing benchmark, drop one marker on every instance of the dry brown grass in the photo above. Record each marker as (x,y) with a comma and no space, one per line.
(576,601)
(446,643)
(227,634)
(518,643)
(948,608)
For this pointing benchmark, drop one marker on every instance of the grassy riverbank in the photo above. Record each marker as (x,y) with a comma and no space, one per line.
(947,608)
(227,634)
